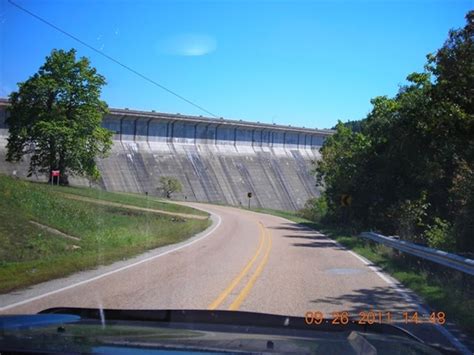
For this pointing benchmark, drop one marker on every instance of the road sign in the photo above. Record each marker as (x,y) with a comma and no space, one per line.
(55,173)
(346,200)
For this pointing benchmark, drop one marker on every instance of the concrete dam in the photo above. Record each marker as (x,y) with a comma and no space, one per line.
(216,160)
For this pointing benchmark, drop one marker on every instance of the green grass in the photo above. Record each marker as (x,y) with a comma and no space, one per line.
(29,254)
(128,199)
(440,292)
(291,215)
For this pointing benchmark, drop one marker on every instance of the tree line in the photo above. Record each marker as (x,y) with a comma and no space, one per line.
(408,167)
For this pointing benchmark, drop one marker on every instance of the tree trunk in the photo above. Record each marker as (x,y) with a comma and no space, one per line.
(52,162)
(63,177)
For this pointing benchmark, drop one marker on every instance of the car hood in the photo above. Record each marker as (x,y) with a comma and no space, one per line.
(178,331)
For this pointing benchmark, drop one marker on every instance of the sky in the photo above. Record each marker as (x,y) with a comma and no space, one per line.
(300,63)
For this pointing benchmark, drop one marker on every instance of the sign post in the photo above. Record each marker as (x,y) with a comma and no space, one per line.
(55,173)
(249,195)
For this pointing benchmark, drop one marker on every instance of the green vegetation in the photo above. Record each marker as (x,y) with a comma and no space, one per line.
(55,116)
(409,165)
(315,209)
(355,126)
(441,290)
(169,185)
(128,199)
(30,254)
(284,214)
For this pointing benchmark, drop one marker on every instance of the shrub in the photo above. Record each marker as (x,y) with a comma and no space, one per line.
(411,216)
(440,235)
(315,209)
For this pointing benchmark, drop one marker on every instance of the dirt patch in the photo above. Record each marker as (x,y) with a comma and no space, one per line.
(54,231)
(130,207)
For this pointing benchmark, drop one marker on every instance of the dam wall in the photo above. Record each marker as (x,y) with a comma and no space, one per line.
(216,160)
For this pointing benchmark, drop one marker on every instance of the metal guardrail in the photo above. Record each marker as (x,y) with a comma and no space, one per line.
(454,261)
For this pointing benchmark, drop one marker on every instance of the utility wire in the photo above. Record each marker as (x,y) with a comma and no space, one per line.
(112,59)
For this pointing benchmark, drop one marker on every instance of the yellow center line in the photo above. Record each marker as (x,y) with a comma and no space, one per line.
(245,291)
(239,277)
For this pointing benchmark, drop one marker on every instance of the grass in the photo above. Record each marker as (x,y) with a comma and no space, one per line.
(440,290)
(291,215)
(29,254)
(128,199)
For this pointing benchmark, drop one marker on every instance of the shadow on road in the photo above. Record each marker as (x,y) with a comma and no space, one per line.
(319,244)
(384,299)
(293,227)
(310,237)
(315,238)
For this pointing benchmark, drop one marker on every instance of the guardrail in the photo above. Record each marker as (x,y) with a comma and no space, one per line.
(437,256)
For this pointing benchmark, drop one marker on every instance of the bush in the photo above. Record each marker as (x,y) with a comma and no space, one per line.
(463,198)
(315,209)
(169,185)
(440,235)
(411,217)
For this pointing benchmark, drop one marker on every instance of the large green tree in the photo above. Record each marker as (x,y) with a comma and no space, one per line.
(55,118)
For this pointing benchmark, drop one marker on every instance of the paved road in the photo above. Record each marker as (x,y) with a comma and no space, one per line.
(251,262)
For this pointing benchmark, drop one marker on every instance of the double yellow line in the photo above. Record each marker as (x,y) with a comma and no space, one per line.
(265,241)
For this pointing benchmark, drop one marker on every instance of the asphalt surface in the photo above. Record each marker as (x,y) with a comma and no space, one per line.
(248,261)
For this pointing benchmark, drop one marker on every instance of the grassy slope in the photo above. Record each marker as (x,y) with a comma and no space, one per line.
(440,294)
(129,199)
(29,254)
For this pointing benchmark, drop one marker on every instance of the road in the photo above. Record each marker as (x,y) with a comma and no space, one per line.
(248,261)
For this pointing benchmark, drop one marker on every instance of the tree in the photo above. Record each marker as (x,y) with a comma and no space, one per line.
(169,185)
(453,66)
(339,171)
(55,116)
(355,126)
(410,169)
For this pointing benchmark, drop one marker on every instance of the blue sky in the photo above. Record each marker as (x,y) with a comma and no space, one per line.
(304,63)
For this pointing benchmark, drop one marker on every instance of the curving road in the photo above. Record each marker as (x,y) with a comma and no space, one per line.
(246,261)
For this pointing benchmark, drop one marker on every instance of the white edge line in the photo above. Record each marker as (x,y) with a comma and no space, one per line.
(219,220)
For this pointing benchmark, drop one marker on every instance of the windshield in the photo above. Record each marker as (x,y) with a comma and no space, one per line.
(294,158)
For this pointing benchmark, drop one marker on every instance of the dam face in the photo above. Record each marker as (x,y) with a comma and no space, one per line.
(215,160)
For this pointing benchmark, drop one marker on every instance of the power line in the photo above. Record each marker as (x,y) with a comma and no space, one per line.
(111,58)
